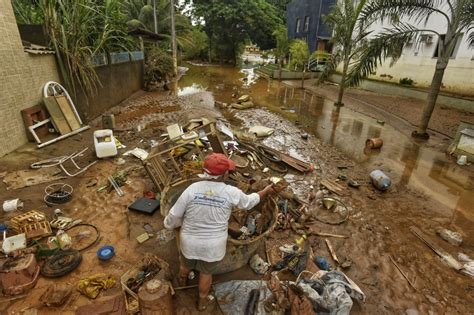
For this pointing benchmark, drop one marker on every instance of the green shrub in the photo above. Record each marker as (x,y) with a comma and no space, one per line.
(406,81)
(158,65)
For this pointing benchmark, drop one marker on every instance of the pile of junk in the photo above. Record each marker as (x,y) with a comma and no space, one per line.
(174,164)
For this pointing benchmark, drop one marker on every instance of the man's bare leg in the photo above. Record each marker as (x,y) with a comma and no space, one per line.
(205,281)
(183,275)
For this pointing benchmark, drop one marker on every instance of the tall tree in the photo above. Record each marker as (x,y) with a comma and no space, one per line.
(349,37)
(282,46)
(230,23)
(300,56)
(408,19)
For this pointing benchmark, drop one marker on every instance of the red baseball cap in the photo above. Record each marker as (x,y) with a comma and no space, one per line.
(217,164)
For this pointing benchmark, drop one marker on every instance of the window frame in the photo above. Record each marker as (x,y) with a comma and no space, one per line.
(306,23)
(298,25)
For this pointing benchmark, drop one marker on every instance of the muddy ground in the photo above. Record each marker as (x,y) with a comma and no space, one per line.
(445,120)
(377,225)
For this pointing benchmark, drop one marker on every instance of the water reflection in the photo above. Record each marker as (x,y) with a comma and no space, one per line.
(410,164)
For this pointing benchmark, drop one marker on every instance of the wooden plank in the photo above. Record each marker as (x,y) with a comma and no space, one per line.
(332,251)
(68,112)
(332,186)
(57,115)
(445,256)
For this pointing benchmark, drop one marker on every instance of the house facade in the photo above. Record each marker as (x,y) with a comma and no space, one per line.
(418,60)
(305,21)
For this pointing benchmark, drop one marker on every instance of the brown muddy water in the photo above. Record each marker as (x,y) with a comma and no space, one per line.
(425,168)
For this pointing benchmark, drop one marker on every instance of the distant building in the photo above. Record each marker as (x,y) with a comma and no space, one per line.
(304,21)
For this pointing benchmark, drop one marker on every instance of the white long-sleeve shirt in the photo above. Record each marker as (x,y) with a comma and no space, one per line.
(203,211)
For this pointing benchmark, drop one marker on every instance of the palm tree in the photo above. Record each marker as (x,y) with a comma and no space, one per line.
(348,37)
(459,18)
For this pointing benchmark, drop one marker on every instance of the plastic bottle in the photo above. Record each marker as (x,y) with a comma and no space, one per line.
(380,180)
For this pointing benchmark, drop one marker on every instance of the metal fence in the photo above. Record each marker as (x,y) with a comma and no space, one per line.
(117,57)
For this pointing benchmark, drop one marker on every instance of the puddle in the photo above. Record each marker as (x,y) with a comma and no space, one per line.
(404,161)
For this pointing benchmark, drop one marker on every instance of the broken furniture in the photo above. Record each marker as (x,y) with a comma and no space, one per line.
(32,116)
(104,143)
(63,114)
(17,275)
(59,161)
(162,164)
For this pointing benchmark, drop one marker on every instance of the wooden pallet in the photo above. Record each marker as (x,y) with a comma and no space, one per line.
(37,230)
(20,220)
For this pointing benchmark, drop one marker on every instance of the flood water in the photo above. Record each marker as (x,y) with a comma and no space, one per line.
(406,162)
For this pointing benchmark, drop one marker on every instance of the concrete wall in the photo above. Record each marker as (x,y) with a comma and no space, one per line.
(119,81)
(313,9)
(418,59)
(381,87)
(22,78)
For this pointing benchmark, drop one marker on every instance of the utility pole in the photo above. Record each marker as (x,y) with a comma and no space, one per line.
(155,21)
(173,39)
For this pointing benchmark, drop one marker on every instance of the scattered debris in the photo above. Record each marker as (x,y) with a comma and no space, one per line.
(401,272)
(12,205)
(14,243)
(104,143)
(462,160)
(113,306)
(332,251)
(61,263)
(93,285)
(468,264)
(19,274)
(258,265)
(56,295)
(380,180)
(60,161)
(261,131)
(57,194)
(453,238)
(106,252)
(447,258)
(138,153)
(145,205)
(154,297)
(332,291)
(374,143)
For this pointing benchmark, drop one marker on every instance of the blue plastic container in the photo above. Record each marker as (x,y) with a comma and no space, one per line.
(106,252)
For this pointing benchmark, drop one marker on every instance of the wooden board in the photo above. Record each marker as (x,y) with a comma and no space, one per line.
(56,115)
(67,111)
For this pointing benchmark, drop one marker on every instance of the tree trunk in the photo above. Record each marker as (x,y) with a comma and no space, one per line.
(342,85)
(302,77)
(436,82)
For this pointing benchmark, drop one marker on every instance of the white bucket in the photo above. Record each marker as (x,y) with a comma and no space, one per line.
(11,205)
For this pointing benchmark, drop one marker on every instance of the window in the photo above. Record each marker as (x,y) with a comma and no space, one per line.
(306,23)
(298,25)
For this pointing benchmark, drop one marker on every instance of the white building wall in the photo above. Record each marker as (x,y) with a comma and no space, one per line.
(418,62)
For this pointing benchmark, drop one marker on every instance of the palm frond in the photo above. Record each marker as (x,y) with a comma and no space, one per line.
(416,10)
(387,44)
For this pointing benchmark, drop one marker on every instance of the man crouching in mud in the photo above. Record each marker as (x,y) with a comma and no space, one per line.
(203,211)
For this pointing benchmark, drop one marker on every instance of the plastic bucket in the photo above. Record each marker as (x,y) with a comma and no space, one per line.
(374,143)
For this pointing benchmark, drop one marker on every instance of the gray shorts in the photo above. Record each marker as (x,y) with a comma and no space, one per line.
(199,265)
